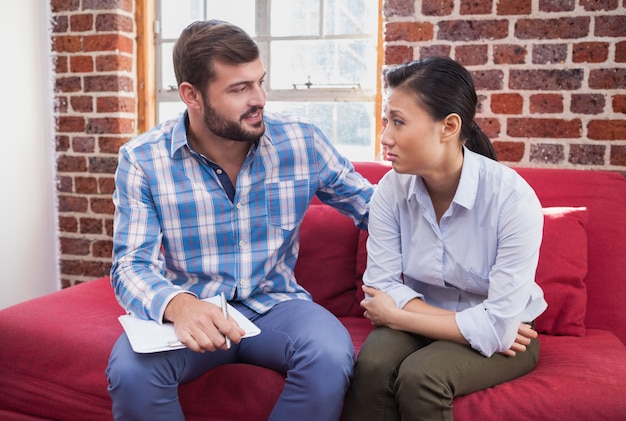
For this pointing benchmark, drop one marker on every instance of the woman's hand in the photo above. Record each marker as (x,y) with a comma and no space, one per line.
(379,308)
(524,335)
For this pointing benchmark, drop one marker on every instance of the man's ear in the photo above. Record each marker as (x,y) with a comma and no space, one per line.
(190,96)
(451,127)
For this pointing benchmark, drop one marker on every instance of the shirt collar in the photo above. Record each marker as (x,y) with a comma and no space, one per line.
(468,184)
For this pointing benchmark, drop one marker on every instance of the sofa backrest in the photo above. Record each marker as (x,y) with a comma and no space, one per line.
(333,257)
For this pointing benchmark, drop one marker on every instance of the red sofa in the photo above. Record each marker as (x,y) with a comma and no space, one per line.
(55,348)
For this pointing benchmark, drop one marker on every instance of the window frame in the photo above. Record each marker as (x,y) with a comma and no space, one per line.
(150,93)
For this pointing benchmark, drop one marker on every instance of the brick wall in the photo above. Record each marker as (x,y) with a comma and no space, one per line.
(551,77)
(93,42)
(551,74)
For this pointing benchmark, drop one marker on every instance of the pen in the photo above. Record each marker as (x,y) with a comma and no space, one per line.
(225,313)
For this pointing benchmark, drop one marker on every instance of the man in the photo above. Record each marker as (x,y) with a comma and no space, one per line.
(210,203)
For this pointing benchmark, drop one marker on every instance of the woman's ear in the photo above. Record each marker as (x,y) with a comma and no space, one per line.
(190,96)
(451,127)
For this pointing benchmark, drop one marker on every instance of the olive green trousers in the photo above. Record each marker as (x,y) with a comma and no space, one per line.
(403,376)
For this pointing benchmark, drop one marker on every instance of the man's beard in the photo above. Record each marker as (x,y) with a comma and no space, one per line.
(232,130)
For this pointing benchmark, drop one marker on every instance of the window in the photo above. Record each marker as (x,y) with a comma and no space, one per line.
(321,56)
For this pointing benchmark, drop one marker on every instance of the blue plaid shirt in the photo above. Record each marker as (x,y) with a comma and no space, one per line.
(178,227)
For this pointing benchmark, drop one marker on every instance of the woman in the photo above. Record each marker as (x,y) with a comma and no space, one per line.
(452,253)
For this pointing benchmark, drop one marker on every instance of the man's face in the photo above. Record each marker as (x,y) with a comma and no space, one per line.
(234,101)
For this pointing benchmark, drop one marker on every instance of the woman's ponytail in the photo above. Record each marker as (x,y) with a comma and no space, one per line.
(477,141)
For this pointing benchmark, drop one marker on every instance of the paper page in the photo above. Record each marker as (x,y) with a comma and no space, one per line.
(147,336)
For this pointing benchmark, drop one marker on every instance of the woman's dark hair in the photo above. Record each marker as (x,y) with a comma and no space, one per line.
(204,42)
(442,87)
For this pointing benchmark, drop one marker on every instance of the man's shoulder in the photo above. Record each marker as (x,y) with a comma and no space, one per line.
(159,136)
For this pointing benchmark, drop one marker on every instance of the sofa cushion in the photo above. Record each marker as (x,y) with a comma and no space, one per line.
(327,259)
(561,271)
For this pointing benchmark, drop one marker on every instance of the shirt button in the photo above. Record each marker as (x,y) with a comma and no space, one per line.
(242,244)
(244,282)
(238,205)
(219,171)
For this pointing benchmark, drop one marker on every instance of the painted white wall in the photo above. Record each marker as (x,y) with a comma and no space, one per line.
(28,216)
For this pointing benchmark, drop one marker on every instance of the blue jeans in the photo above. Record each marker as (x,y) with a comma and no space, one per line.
(298,338)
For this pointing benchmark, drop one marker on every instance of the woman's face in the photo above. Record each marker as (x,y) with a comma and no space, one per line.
(411,138)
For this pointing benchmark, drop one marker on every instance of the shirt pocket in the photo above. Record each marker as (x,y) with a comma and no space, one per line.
(286,203)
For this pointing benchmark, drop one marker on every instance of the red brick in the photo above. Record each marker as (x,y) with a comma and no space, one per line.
(110,22)
(110,125)
(111,144)
(434,51)
(67,43)
(82,104)
(544,128)
(85,268)
(68,163)
(61,64)
(606,130)
(108,226)
(476,7)
(103,206)
(102,249)
(81,64)
(60,105)
(618,155)
(469,30)
(607,78)
(509,54)
(125,5)
(488,79)
(398,54)
(509,151)
(111,104)
(106,63)
(62,143)
(64,5)
(587,154)
(590,52)
(86,185)
(556,5)
(91,225)
(513,7)
(65,184)
(546,104)
(81,22)
(72,204)
(60,24)
(68,224)
(70,124)
(108,42)
(587,103)
(437,7)
(398,8)
(409,31)
(84,144)
(620,52)
(74,246)
(596,5)
(102,165)
(560,28)
(546,153)
(489,126)
(472,55)
(549,53)
(610,26)
(509,103)
(109,83)
(619,104)
(106,185)
(539,80)
(68,84)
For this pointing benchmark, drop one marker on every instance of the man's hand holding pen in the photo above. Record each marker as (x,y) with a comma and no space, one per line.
(202,326)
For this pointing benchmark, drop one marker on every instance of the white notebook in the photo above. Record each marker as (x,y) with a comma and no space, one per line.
(147,336)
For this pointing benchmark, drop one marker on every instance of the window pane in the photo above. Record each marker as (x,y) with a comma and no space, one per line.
(343,17)
(343,63)
(168,110)
(177,14)
(290,18)
(349,125)
(168,78)
(237,12)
